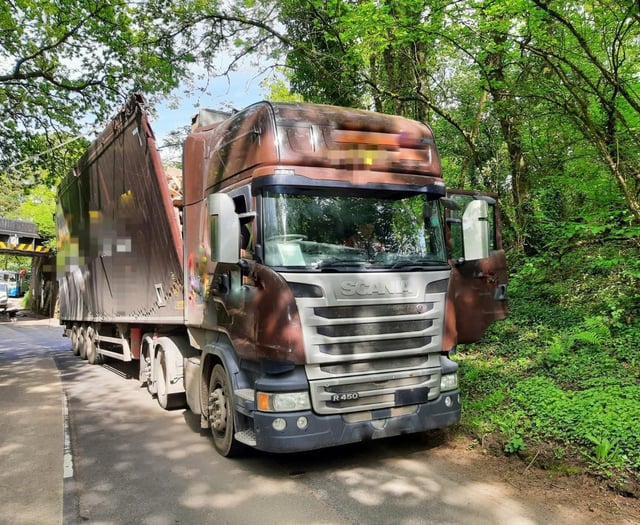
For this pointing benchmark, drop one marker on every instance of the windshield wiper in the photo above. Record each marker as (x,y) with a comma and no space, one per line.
(335,262)
(418,263)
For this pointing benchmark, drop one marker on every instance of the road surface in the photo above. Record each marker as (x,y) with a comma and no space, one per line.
(86,444)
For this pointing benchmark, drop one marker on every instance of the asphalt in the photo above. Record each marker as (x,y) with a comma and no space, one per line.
(31,429)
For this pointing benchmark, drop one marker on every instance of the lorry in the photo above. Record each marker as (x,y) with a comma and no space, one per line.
(237,293)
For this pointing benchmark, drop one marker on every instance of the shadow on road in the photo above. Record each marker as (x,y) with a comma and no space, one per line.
(136,463)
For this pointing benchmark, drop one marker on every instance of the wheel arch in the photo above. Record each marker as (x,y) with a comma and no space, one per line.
(176,349)
(223,354)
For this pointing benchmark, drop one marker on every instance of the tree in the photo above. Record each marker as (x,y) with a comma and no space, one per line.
(63,62)
(39,207)
(10,196)
(493,77)
(277,90)
(591,60)
(321,66)
(515,90)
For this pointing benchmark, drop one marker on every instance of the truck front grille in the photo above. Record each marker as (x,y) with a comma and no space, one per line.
(379,328)
(372,341)
(374,391)
(367,347)
(370,331)
(359,311)
(373,357)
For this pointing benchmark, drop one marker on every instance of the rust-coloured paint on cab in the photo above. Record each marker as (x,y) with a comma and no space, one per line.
(472,305)
(258,312)
(475,297)
(320,142)
(330,145)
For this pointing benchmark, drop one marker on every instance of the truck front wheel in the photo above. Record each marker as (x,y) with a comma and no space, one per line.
(220,411)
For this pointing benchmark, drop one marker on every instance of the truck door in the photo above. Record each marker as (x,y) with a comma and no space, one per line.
(478,286)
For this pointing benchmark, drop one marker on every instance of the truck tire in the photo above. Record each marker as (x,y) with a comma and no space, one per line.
(89,345)
(82,351)
(166,400)
(75,347)
(93,357)
(220,412)
(144,373)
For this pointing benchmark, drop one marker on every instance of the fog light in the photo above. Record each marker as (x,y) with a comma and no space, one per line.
(302,422)
(279,424)
(448,402)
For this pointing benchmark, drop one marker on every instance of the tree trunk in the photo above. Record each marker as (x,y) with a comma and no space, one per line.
(43,288)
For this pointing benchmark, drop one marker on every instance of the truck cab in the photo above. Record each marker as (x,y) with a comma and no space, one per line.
(348,336)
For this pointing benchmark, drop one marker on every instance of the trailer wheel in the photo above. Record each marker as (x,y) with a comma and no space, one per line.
(89,345)
(75,347)
(82,351)
(166,400)
(93,357)
(220,411)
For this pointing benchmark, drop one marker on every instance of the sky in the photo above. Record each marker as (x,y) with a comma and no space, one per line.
(240,90)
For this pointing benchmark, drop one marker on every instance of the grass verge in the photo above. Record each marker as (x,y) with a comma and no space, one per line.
(558,382)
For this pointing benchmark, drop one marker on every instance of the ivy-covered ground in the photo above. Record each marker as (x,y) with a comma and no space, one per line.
(558,382)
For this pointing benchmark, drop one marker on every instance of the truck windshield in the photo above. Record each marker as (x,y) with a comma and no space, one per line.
(339,232)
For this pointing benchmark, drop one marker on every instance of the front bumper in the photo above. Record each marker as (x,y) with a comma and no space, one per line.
(328,431)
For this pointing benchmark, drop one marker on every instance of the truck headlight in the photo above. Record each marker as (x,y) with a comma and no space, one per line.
(283,401)
(448,382)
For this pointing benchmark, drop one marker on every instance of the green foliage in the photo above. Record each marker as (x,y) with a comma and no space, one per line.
(515,444)
(527,100)
(47,159)
(10,196)
(62,62)
(537,101)
(564,368)
(323,66)
(24,302)
(605,410)
(39,206)
(278,91)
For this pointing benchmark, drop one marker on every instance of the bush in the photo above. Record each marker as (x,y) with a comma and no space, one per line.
(563,369)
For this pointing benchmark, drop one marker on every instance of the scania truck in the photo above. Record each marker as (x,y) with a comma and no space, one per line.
(239,293)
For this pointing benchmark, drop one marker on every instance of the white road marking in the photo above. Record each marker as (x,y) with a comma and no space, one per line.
(68,455)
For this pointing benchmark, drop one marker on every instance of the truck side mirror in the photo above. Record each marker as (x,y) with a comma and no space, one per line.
(475,230)
(224,228)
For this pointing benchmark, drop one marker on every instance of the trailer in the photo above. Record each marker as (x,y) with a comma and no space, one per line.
(302,287)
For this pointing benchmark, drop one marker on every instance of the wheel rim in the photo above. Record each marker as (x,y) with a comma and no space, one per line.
(218,410)
(145,369)
(220,413)
(88,350)
(92,350)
